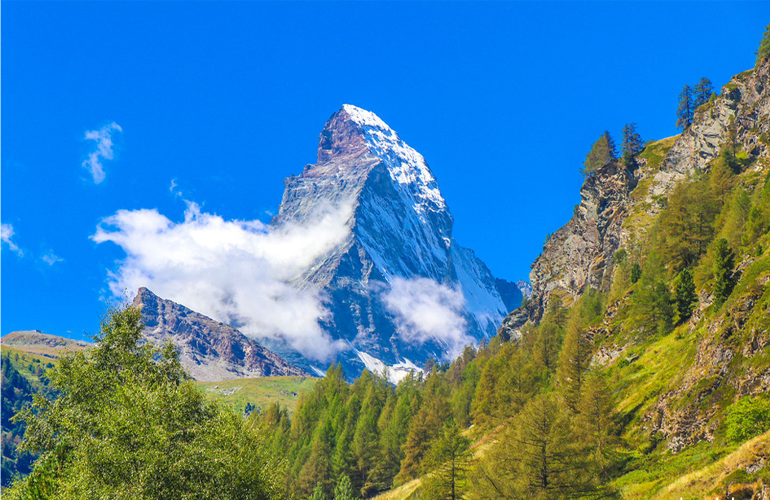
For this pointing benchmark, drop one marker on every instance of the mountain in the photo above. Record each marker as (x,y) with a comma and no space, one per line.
(37,342)
(211,351)
(399,251)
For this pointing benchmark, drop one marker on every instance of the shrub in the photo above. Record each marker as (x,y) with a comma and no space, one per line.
(747,418)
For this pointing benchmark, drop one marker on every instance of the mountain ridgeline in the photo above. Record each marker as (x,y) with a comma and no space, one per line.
(400,233)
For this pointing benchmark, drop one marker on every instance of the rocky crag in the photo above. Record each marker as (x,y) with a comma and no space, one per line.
(210,351)
(579,254)
(401,229)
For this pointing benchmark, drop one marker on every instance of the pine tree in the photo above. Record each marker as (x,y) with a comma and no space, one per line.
(318,493)
(702,91)
(724,279)
(602,152)
(684,112)
(685,296)
(344,490)
(632,143)
(663,307)
(763,52)
(636,272)
(596,422)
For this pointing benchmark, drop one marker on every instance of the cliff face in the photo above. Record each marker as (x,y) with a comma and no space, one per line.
(580,253)
(210,351)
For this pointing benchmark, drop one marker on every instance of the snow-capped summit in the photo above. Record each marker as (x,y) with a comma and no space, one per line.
(399,288)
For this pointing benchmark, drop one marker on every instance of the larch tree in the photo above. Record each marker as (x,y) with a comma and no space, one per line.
(702,92)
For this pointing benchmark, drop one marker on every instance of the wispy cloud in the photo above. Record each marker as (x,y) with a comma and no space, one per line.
(103,151)
(427,310)
(6,233)
(238,272)
(51,258)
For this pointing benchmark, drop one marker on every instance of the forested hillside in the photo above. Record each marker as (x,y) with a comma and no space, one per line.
(639,369)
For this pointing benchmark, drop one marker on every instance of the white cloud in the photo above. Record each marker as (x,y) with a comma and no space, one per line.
(51,258)
(6,233)
(427,310)
(233,271)
(103,138)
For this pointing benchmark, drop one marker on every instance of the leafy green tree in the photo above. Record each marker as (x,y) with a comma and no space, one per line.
(632,143)
(702,92)
(685,109)
(763,52)
(636,272)
(449,460)
(128,423)
(724,277)
(602,152)
(684,295)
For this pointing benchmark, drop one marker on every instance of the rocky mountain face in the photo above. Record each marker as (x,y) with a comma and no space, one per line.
(400,234)
(211,351)
(580,253)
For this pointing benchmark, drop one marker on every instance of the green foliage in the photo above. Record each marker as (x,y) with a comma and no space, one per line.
(684,295)
(128,423)
(632,143)
(685,110)
(344,490)
(602,152)
(763,52)
(724,278)
(702,91)
(318,492)
(636,272)
(573,361)
(746,418)
(449,461)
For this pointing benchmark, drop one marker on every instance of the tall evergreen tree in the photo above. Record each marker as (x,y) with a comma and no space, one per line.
(344,490)
(449,460)
(602,152)
(636,272)
(724,263)
(684,295)
(763,52)
(632,143)
(702,93)
(684,112)
(573,361)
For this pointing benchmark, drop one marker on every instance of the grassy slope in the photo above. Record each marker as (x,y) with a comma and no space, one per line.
(260,392)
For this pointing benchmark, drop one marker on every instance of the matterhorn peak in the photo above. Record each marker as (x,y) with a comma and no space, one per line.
(400,289)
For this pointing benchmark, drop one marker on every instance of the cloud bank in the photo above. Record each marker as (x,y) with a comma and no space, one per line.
(6,233)
(237,272)
(103,151)
(427,310)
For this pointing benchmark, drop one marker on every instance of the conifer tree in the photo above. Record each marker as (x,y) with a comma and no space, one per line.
(602,152)
(685,296)
(684,112)
(632,143)
(318,493)
(636,272)
(573,361)
(702,92)
(724,280)
(596,422)
(449,460)
(344,490)
(763,52)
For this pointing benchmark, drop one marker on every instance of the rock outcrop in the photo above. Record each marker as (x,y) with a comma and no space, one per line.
(210,351)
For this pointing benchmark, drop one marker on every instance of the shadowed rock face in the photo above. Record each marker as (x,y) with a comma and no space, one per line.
(400,228)
(210,351)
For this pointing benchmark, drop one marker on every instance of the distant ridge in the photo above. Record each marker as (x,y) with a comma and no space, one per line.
(210,351)
(43,344)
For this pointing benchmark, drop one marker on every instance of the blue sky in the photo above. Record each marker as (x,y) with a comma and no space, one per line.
(228,99)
